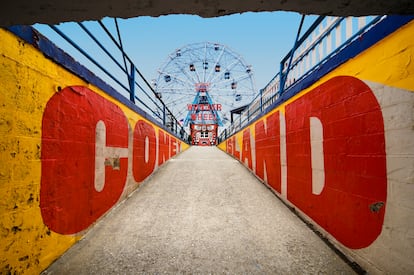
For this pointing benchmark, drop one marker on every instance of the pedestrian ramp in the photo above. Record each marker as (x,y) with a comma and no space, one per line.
(201,212)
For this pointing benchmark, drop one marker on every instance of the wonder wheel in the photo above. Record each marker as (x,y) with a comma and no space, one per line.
(204,74)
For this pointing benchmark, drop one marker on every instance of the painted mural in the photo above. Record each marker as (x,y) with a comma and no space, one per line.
(335,158)
(341,153)
(69,153)
(93,135)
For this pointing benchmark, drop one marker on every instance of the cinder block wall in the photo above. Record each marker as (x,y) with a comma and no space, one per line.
(69,152)
(341,152)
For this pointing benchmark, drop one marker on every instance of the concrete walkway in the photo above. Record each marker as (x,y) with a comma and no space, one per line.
(202,212)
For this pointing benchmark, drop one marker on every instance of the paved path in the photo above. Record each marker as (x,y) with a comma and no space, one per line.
(202,212)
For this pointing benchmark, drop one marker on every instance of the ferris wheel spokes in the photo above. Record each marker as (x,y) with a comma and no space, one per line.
(226,70)
(217,67)
(198,70)
(190,78)
(174,77)
(233,80)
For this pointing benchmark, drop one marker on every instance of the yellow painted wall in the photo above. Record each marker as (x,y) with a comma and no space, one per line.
(28,80)
(222,146)
(389,62)
(388,70)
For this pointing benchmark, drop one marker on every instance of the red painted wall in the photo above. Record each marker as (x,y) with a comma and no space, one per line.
(267,143)
(82,131)
(354,159)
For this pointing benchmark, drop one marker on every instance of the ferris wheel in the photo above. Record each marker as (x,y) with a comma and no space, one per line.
(223,73)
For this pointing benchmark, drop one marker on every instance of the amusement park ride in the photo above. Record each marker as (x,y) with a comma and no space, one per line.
(201,83)
(203,117)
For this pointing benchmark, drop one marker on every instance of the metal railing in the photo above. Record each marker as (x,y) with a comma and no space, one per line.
(100,50)
(326,37)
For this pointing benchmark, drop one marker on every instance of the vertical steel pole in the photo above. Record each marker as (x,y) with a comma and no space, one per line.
(163,115)
(261,100)
(283,76)
(132,83)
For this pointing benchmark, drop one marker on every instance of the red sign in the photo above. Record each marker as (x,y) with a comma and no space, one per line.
(204,107)
(203,116)
(69,199)
(85,156)
(350,202)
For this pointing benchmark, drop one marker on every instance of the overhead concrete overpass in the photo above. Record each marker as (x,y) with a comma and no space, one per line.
(53,12)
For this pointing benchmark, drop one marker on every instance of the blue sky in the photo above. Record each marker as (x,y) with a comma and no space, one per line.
(262,39)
